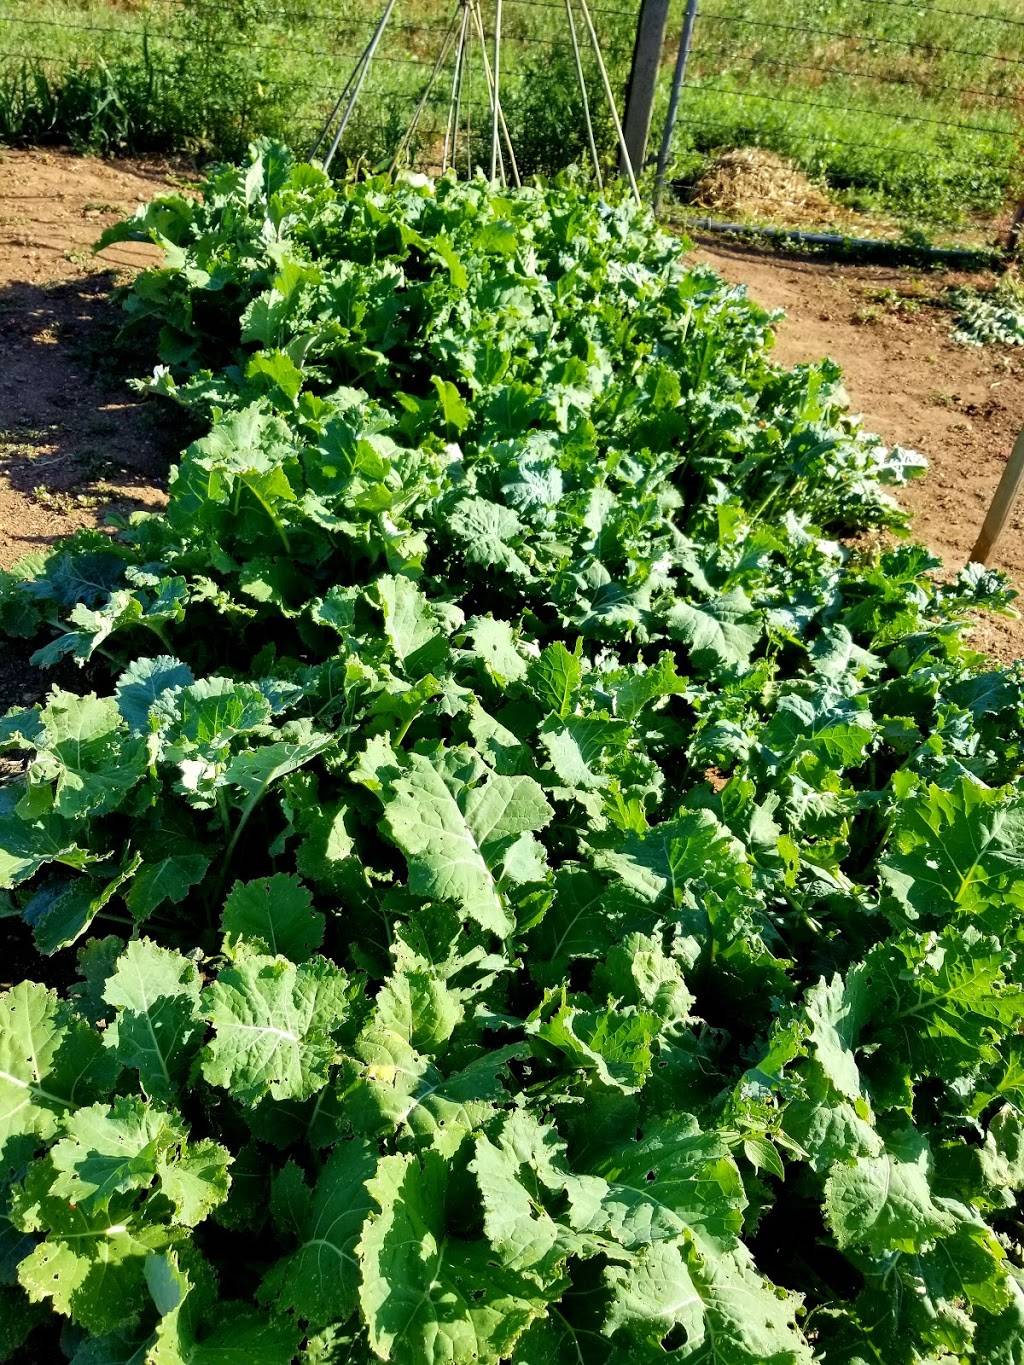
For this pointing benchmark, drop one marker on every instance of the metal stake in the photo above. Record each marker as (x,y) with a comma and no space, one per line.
(678,77)
(362,69)
(334,110)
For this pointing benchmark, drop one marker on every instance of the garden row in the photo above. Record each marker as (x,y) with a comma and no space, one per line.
(537,895)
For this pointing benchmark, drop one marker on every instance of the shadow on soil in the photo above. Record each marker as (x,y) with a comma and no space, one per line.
(67,417)
(76,444)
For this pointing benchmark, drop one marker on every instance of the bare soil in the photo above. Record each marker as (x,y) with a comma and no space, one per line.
(76,445)
(74,442)
(961,406)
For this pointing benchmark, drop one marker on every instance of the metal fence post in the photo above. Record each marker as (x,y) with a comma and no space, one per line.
(678,77)
(643,79)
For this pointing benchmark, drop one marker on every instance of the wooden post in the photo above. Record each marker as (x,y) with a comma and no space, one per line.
(496,90)
(1002,504)
(643,79)
(1013,235)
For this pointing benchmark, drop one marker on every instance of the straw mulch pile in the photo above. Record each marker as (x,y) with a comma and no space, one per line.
(749,183)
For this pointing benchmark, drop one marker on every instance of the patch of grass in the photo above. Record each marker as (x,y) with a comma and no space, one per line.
(207,76)
(899,108)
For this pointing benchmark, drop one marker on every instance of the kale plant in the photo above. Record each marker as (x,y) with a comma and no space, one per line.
(538,896)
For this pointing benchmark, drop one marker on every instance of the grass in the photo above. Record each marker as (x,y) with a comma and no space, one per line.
(895,105)
(899,107)
(206,75)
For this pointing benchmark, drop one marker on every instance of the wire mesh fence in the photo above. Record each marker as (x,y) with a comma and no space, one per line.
(897,111)
(205,75)
(894,112)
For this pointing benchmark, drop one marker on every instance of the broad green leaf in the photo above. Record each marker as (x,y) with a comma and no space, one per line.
(517,1173)
(427,1295)
(30,842)
(747,1320)
(453,410)
(443,1109)
(653,1294)
(253,770)
(885,1203)
(60,913)
(941,1003)
(280,372)
(272,915)
(452,840)
(587,915)
(720,634)
(51,1061)
(673,1180)
(166,879)
(485,533)
(639,688)
(273,1023)
(495,642)
(110,1150)
(155,993)
(196,1328)
(956,851)
(614,1044)
(202,719)
(556,676)
(88,1265)
(555,1337)
(419,1007)
(576,748)
(85,756)
(416,628)
(319,1282)
(637,971)
(143,682)
(694,849)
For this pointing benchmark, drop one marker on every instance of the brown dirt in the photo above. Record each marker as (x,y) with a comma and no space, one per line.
(75,444)
(961,406)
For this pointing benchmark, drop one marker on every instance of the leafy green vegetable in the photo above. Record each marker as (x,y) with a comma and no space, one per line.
(568,906)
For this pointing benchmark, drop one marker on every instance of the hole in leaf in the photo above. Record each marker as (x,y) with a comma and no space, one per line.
(675,1339)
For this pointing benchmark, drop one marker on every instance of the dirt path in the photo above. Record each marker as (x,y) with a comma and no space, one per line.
(961,406)
(75,445)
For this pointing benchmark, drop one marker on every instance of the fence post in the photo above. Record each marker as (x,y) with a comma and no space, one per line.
(1016,229)
(678,77)
(1002,504)
(643,79)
